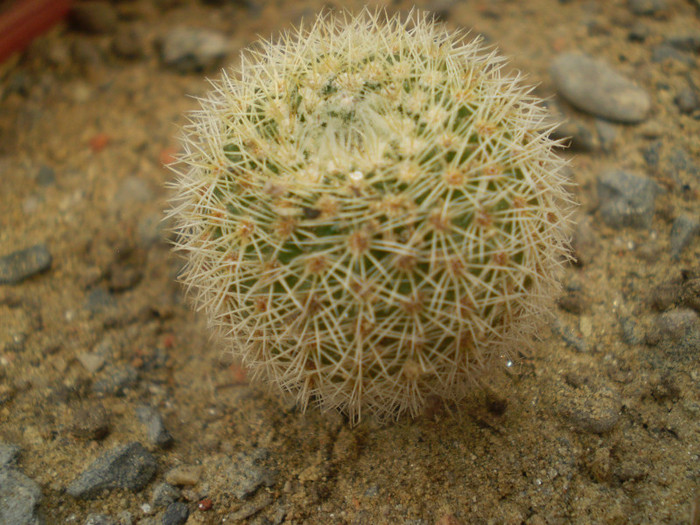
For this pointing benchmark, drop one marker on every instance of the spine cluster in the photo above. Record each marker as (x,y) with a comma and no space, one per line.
(371,211)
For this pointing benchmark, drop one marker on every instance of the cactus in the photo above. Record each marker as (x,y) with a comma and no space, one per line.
(372,212)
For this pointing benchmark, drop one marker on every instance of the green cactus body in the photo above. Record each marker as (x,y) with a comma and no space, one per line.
(372,212)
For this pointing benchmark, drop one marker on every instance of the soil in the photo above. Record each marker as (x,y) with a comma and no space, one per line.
(599,424)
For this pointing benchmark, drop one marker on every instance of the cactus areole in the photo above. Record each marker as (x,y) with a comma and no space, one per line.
(371,211)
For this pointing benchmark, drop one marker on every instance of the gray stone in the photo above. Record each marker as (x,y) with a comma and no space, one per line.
(156,432)
(114,381)
(163,495)
(8,454)
(20,265)
(682,232)
(127,466)
(176,514)
(626,199)
(189,49)
(46,176)
(100,519)
(607,133)
(19,499)
(647,7)
(593,86)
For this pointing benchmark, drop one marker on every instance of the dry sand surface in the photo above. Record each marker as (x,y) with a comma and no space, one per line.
(101,358)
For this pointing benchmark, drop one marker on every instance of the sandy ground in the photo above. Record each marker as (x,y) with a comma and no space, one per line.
(604,428)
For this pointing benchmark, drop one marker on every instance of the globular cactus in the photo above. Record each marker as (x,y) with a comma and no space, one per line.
(372,212)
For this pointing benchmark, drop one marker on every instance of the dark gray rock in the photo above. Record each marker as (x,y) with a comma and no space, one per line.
(593,86)
(128,466)
(156,432)
(675,338)
(100,519)
(682,232)
(93,17)
(626,199)
(8,454)
(19,499)
(647,7)
(189,49)
(20,265)
(163,495)
(176,514)
(115,381)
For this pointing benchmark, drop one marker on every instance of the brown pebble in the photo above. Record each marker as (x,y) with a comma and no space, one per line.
(184,475)
(90,423)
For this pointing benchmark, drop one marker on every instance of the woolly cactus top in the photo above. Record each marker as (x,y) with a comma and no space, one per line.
(371,211)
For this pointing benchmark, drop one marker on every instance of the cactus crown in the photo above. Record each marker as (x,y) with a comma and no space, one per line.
(371,211)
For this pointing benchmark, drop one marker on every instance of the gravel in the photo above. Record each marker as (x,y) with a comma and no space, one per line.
(593,86)
(127,466)
(626,199)
(23,264)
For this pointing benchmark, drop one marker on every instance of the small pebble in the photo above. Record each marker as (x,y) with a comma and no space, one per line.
(46,176)
(184,475)
(250,509)
(189,49)
(684,229)
(163,495)
(19,499)
(100,519)
(128,466)
(116,380)
(90,423)
(687,100)
(156,432)
(593,86)
(176,514)
(626,199)
(20,265)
